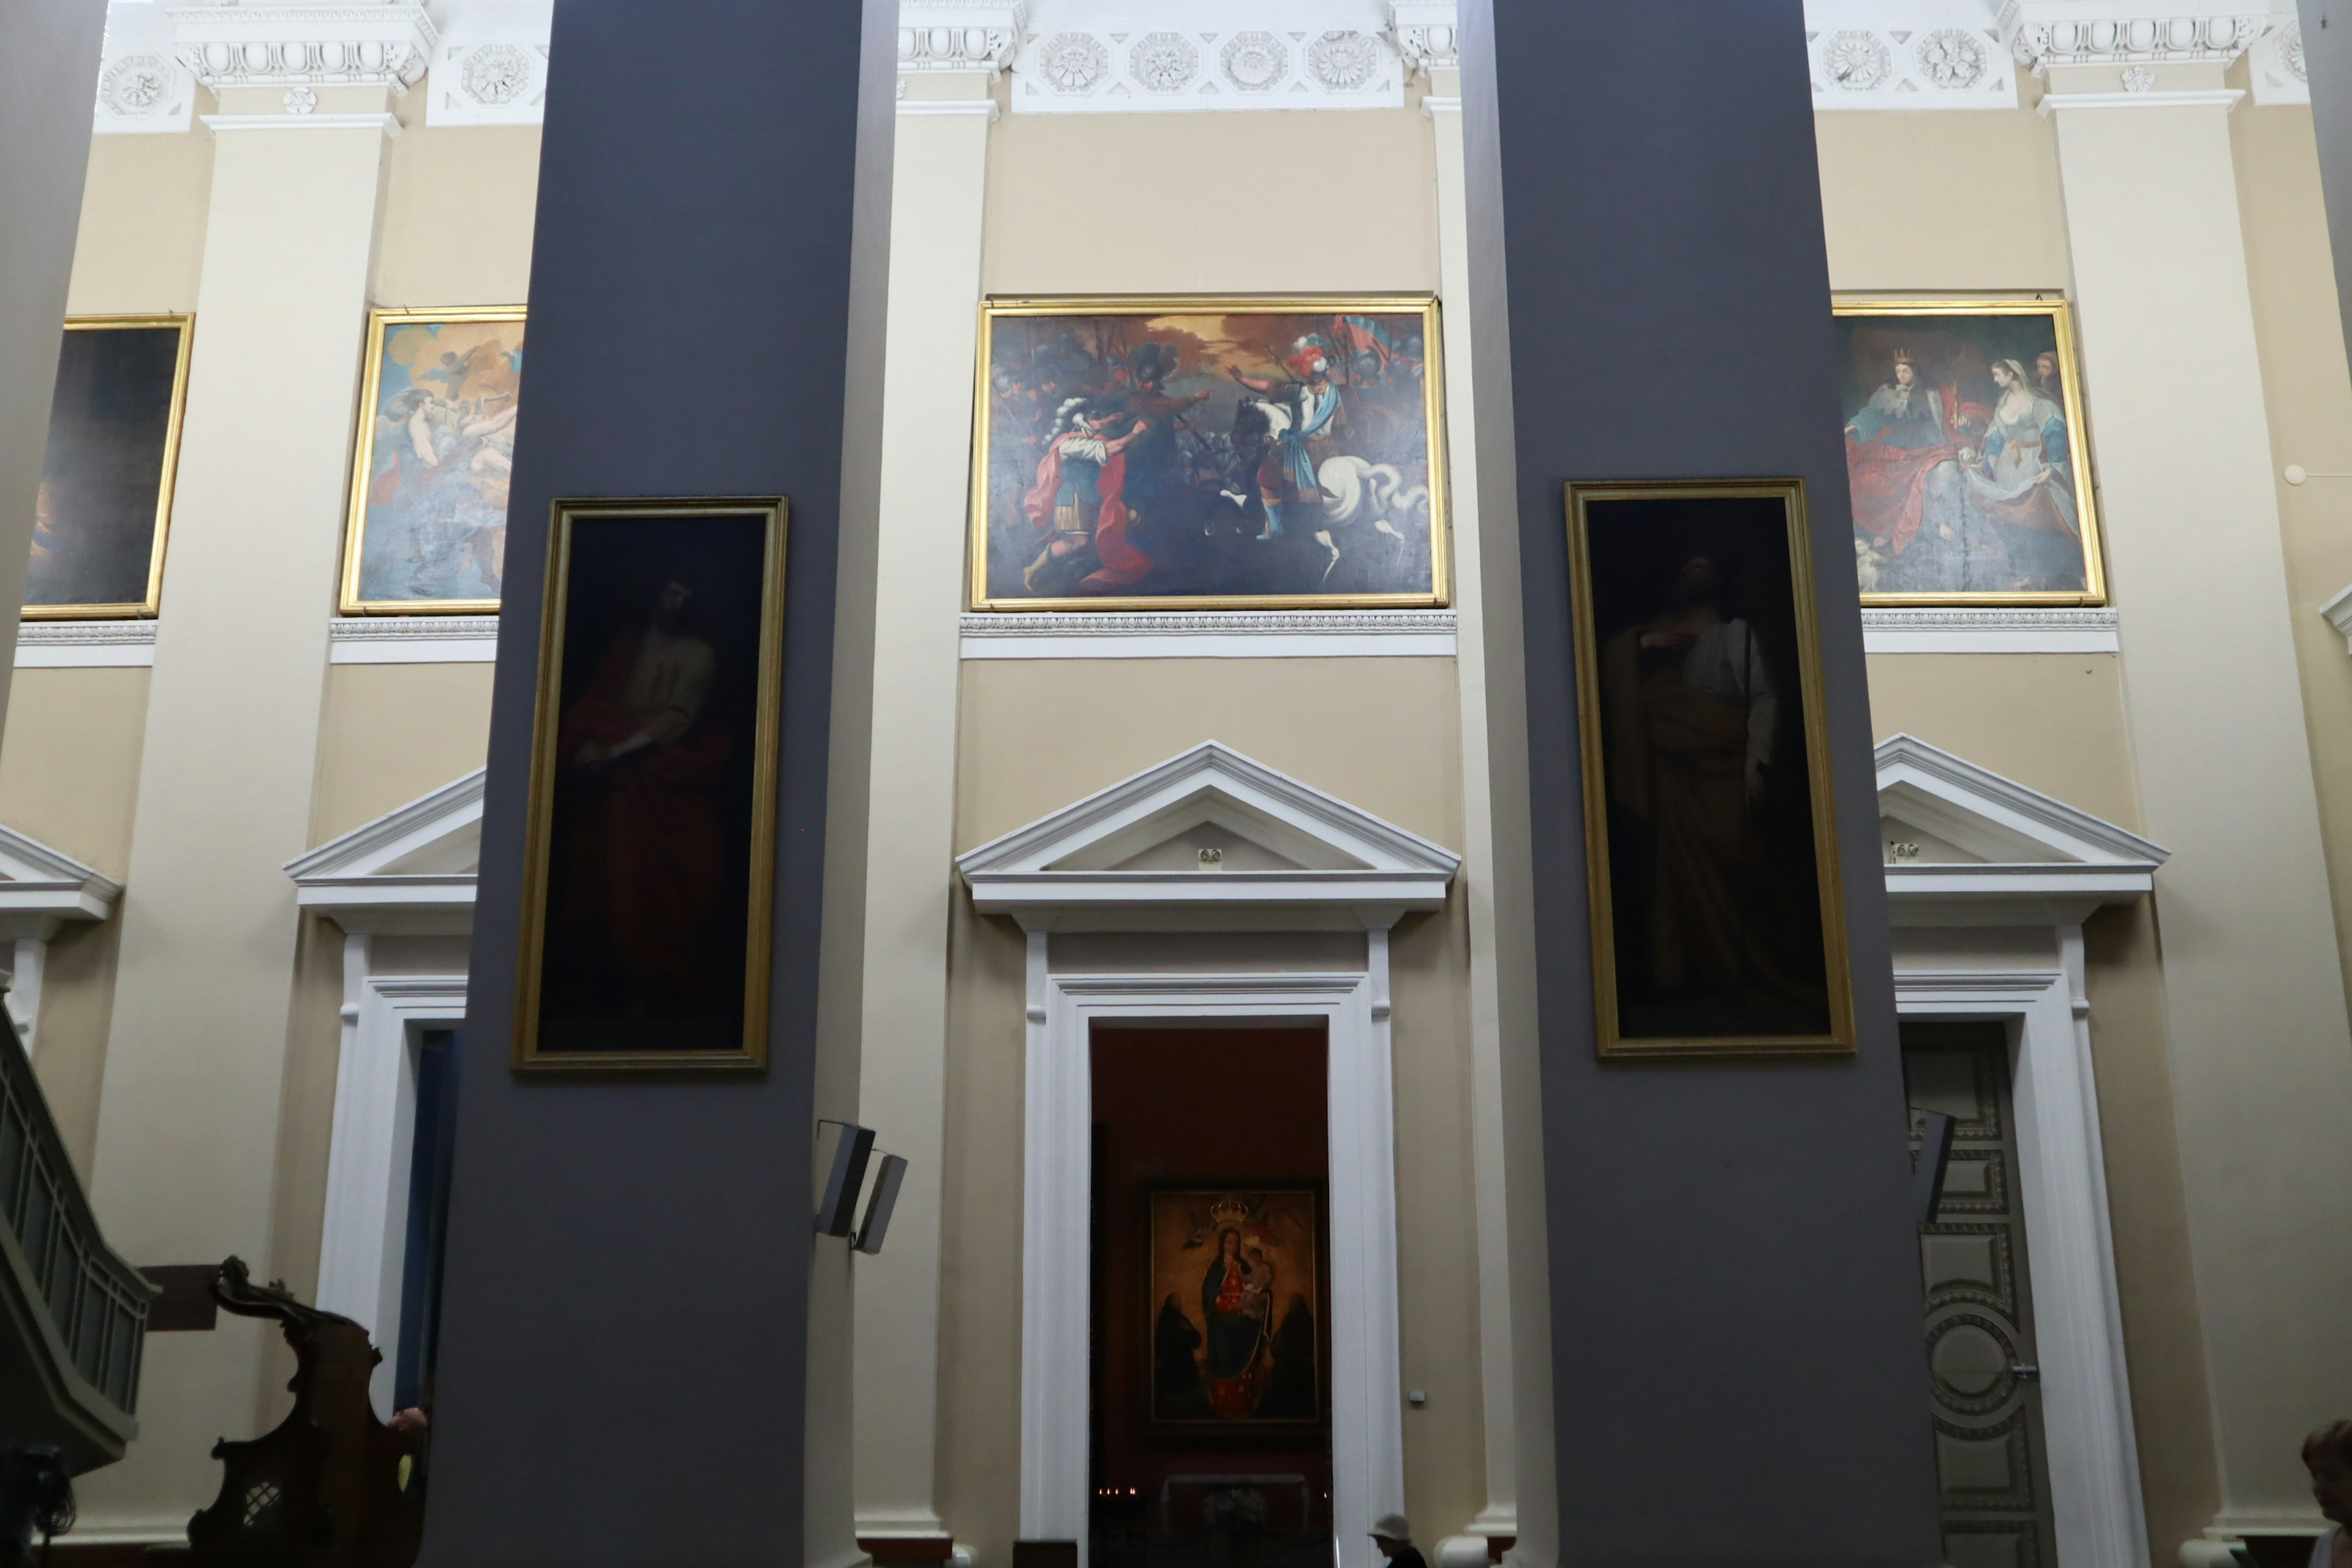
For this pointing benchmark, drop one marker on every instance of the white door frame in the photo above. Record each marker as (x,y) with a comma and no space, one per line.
(363,1243)
(1367,1400)
(2093,1452)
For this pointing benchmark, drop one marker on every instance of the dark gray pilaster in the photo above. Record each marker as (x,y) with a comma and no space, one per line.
(625,1349)
(1739,1375)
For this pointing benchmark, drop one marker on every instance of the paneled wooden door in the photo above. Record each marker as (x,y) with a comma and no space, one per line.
(1983,1377)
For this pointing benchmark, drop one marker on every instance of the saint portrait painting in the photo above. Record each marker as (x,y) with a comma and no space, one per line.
(1208,453)
(428,524)
(649,877)
(1717,916)
(1237,1337)
(104,503)
(1966,456)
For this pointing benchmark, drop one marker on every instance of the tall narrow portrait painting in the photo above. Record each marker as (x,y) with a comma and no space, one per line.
(1208,453)
(1966,456)
(1236,1298)
(104,505)
(649,871)
(1716,918)
(426,529)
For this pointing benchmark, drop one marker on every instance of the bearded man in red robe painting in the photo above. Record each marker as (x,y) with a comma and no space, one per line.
(645,868)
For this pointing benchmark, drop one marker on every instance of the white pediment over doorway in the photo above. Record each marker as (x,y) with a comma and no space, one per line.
(1209,840)
(1964,846)
(410,872)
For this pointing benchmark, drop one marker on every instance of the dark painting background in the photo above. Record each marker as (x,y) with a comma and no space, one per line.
(109,426)
(617,567)
(1638,547)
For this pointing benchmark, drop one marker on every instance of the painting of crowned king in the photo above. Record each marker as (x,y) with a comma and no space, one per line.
(1965,453)
(1207,454)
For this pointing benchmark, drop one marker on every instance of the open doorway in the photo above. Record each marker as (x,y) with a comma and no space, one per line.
(1209,1432)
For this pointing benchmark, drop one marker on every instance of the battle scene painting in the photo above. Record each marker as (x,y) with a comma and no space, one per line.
(1716,918)
(1208,453)
(1236,1301)
(427,529)
(1965,453)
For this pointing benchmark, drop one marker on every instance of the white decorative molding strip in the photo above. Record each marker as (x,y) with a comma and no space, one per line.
(1938,630)
(2046,33)
(1940,58)
(388,43)
(954,36)
(413,639)
(1309,54)
(2338,611)
(2139,97)
(216,123)
(2275,65)
(1212,634)
(986,107)
(84,644)
(493,80)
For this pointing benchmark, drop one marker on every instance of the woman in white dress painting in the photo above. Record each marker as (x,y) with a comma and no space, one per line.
(2327,1454)
(2021,476)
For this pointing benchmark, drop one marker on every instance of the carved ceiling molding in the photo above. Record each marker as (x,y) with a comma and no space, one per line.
(951,36)
(1887,54)
(1086,56)
(245,43)
(1426,34)
(2046,33)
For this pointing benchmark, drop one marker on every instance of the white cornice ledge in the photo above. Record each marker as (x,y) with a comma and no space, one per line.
(2208,97)
(216,123)
(2338,611)
(84,644)
(413,639)
(387,43)
(953,35)
(2020,629)
(2046,33)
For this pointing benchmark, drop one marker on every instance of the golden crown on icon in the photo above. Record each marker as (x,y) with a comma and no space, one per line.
(1228,1211)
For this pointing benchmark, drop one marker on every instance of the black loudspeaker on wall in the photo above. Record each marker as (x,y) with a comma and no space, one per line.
(844,1149)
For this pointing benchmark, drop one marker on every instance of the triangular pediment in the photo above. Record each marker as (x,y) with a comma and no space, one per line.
(410,870)
(1951,832)
(45,885)
(1208,840)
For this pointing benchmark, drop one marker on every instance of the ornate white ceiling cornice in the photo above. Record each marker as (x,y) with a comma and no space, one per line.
(491,66)
(262,43)
(2275,66)
(1906,54)
(953,35)
(142,88)
(1114,57)
(2046,33)
(1426,34)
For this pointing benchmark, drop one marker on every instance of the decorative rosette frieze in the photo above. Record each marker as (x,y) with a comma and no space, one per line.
(1931,55)
(1300,55)
(950,36)
(2046,33)
(490,67)
(142,88)
(255,43)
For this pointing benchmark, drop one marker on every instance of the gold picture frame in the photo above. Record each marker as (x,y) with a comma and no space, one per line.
(608,560)
(150,602)
(2084,493)
(1429,365)
(1703,943)
(353,597)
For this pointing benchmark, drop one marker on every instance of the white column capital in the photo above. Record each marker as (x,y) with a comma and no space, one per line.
(957,35)
(1427,34)
(2045,33)
(267,42)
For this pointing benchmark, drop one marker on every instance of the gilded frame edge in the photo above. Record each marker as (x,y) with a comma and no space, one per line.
(152,606)
(1608,1044)
(1152,1428)
(347,586)
(2061,310)
(539,818)
(1440,512)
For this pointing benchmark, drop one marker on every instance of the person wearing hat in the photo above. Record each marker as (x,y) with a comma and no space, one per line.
(1393,1536)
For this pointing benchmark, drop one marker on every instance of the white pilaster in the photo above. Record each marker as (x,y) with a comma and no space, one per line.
(186,1163)
(2260,1052)
(939,185)
(1432,39)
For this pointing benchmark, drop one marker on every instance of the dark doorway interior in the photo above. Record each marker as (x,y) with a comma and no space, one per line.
(1210,1429)
(431,1151)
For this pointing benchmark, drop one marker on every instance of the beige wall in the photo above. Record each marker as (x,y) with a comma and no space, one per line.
(1937,203)
(142,245)
(391,732)
(1197,222)
(1035,736)
(457,212)
(2309,400)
